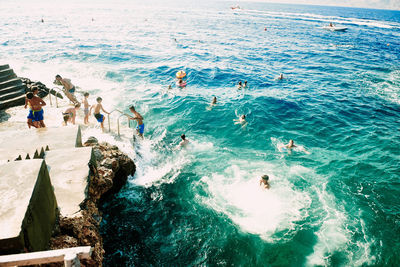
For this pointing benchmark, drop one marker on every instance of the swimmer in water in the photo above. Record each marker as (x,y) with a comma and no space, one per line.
(280,77)
(213,103)
(264,182)
(241,120)
(330,24)
(184,141)
(245,84)
(239,86)
(291,146)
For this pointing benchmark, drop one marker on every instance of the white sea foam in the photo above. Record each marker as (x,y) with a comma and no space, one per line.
(327,19)
(236,193)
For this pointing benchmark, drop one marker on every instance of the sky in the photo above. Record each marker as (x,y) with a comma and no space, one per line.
(375,4)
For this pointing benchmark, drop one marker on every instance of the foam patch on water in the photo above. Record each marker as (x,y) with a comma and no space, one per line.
(327,19)
(236,192)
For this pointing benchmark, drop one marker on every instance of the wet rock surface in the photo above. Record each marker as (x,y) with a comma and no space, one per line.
(108,174)
(43,90)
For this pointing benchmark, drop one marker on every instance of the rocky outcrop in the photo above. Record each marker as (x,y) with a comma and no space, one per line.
(107,176)
(43,90)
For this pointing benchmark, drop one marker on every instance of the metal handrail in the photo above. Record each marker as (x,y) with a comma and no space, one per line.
(55,89)
(129,122)
(118,128)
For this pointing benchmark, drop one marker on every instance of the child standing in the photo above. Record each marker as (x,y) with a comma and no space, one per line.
(99,117)
(86,108)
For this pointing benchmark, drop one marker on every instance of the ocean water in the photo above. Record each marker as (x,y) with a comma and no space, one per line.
(337,205)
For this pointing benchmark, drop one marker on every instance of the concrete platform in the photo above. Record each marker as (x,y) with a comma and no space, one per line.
(28,210)
(69,172)
(27,141)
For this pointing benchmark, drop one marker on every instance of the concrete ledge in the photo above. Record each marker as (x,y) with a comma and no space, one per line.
(27,141)
(27,221)
(69,172)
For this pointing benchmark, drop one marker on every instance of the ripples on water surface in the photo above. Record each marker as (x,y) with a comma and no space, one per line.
(337,205)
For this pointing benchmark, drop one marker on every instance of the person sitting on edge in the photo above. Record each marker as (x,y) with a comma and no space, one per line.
(70,114)
(35,117)
(184,141)
(69,88)
(99,117)
(139,119)
(86,108)
(239,86)
(264,182)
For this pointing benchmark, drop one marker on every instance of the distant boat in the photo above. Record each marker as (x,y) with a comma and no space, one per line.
(236,7)
(334,28)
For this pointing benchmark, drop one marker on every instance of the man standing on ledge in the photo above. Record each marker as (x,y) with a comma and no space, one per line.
(139,118)
(69,88)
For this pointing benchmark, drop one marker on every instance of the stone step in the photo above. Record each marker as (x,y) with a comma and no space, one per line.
(28,210)
(22,142)
(13,88)
(17,101)
(11,95)
(3,67)
(6,72)
(14,81)
(69,172)
(7,76)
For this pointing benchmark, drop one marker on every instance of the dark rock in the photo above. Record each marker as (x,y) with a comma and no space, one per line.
(91,141)
(115,167)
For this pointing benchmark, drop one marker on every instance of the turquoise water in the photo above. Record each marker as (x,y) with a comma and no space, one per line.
(337,205)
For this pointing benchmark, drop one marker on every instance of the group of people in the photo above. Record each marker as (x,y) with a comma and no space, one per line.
(35,116)
(35,103)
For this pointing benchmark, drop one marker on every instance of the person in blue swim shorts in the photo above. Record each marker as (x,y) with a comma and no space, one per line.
(35,116)
(99,117)
(139,119)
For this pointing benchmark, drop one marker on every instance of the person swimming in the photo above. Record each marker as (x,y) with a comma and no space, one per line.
(212,104)
(290,146)
(184,141)
(241,120)
(245,84)
(240,86)
(280,77)
(264,182)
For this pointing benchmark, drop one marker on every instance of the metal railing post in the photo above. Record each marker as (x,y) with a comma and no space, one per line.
(109,124)
(51,103)
(118,127)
